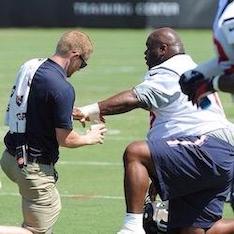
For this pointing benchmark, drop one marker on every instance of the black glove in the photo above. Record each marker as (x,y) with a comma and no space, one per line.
(196,86)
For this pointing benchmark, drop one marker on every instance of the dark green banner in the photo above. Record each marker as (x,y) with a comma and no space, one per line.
(107,14)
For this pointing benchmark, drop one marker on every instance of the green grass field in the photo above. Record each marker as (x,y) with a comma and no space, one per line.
(90,178)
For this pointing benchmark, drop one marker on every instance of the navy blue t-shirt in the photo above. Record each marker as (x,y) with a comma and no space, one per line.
(50,105)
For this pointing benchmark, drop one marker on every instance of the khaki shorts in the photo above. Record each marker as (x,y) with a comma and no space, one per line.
(41,203)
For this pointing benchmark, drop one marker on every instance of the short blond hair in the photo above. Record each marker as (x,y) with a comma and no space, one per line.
(74,41)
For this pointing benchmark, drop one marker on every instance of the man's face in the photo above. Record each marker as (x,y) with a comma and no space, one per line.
(77,62)
(153,52)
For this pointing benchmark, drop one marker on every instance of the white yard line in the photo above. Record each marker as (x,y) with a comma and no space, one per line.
(78,196)
(112,135)
(91,163)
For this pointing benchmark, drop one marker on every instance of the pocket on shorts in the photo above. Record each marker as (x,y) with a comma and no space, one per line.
(31,169)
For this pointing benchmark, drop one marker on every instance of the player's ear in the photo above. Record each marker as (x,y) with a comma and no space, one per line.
(163,47)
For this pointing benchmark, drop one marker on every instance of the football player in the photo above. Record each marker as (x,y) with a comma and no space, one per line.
(216,74)
(176,154)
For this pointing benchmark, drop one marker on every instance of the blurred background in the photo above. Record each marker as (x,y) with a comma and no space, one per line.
(107,13)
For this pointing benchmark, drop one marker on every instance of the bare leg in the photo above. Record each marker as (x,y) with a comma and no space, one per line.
(223,226)
(138,166)
(220,227)
(13,230)
(189,230)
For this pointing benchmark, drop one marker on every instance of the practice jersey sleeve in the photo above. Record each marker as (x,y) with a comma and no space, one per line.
(157,91)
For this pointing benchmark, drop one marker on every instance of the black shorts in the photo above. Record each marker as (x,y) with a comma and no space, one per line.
(194,174)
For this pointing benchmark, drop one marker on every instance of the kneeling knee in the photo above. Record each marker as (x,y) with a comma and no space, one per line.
(131,152)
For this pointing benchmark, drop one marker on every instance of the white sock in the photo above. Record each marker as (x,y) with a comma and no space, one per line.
(134,222)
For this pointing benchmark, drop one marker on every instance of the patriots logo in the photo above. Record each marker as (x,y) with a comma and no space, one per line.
(19,100)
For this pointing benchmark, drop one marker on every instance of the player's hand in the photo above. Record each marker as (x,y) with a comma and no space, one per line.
(79,115)
(96,134)
(84,114)
(196,86)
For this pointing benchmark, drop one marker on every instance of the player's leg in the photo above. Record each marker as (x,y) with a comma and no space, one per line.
(187,172)
(137,165)
(223,226)
(228,136)
(189,230)
(137,169)
(40,199)
(9,166)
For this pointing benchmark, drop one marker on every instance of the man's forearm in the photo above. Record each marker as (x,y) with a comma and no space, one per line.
(120,103)
(117,104)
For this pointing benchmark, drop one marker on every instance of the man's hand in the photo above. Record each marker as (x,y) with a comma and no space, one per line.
(89,113)
(196,86)
(96,134)
(78,115)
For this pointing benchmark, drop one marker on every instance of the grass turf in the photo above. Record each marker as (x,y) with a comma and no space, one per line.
(91,178)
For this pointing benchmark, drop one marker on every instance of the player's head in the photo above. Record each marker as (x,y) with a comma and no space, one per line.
(162,44)
(76,46)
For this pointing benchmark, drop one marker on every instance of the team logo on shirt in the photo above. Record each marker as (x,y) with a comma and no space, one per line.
(21,116)
(19,100)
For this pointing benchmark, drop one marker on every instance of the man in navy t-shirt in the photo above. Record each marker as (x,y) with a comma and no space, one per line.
(39,117)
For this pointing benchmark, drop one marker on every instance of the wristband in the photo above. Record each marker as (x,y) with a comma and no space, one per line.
(92,111)
(215,83)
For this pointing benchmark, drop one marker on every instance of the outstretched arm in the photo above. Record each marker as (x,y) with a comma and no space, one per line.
(120,103)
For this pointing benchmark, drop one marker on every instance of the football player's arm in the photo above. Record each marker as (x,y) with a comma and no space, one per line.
(120,103)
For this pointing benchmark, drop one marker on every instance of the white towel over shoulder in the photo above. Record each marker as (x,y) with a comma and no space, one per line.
(17,107)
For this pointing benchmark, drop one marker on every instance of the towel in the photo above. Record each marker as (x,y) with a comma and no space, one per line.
(15,116)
